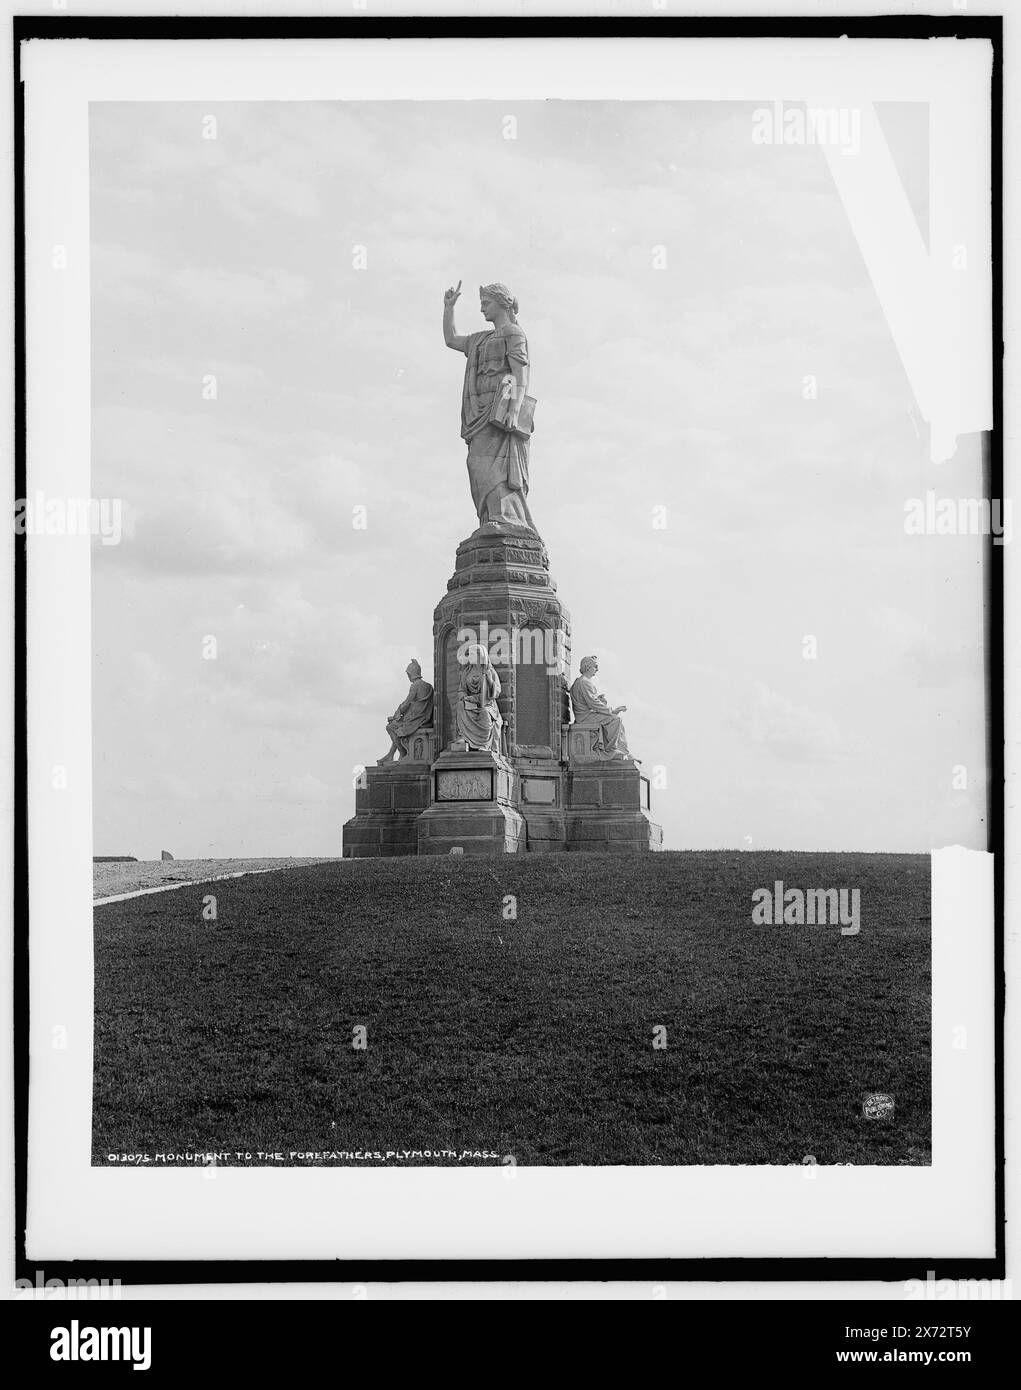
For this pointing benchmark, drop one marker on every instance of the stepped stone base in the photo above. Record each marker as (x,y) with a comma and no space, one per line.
(481,804)
(608,834)
(607,808)
(472,807)
(387,809)
(541,803)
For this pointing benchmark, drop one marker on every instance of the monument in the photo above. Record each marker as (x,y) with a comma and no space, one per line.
(505,755)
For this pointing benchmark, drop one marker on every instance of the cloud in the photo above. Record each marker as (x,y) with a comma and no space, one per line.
(303,791)
(123,275)
(246,188)
(958,820)
(932,661)
(232,257)
(218,291)
(792,732)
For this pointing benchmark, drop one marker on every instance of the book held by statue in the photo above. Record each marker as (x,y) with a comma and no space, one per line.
(502,406)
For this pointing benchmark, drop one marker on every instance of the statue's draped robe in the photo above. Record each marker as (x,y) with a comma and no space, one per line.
(413,712)
(477,716)
(497,459)
(592,711)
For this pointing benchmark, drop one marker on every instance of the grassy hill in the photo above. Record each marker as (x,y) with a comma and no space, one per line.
(531,1038)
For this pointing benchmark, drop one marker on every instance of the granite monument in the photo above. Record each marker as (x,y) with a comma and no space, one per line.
(491,761)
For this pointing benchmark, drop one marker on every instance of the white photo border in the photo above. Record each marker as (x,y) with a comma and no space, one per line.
(79,1212)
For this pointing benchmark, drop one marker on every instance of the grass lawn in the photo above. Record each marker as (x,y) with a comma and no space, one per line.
(531,1038)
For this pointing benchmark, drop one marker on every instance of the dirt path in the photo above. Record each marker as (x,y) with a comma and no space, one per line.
(115,880)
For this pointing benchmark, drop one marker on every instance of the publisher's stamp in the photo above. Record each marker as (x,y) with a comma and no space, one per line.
(876,1106)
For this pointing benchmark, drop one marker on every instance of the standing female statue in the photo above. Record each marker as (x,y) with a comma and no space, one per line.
(477,717)
(497,369)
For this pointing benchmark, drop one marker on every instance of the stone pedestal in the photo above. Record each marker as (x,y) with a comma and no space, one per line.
(501,594)
(607,808)
(387,808)
(541,802)
(472,807)
(549,791)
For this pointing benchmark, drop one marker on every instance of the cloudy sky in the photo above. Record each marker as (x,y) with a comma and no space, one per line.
(679,386)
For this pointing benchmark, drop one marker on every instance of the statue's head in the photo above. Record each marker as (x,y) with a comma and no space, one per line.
(497,294)
(414,671)
(476,655)
(588,666)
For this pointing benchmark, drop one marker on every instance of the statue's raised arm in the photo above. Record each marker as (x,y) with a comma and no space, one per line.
(450,337)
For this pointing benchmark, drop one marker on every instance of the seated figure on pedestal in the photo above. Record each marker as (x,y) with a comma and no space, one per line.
(412,714)
(477,717)
(592,711)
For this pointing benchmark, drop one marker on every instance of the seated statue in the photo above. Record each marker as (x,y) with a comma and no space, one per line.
(592,711)
(477,717)
(412,714)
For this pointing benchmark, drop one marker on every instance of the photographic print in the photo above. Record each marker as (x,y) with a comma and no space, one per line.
(538,595)
(543,925)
